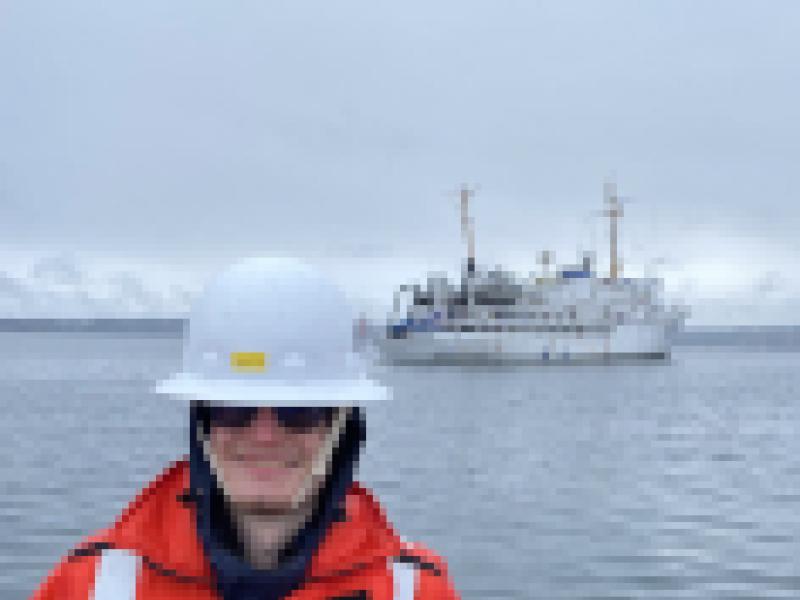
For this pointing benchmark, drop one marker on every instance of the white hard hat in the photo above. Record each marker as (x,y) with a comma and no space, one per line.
(271,332)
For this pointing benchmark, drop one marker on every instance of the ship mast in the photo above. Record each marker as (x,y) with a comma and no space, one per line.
(613,211)
(467,229)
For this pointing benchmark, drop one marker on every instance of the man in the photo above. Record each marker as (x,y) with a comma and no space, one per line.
(265,507)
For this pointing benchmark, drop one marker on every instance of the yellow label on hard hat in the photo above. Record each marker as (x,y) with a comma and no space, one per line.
(252,362)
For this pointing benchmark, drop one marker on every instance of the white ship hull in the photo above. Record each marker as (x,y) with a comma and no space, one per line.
(631,341)
(561,314)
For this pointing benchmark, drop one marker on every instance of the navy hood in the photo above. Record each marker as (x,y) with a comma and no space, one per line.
(236,578)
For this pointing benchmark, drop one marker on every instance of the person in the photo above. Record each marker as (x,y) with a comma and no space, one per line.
(266,505)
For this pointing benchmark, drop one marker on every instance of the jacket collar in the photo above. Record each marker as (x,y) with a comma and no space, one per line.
(161,526)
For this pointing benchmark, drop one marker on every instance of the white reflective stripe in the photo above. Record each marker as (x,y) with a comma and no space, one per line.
(116,574)
(404,576)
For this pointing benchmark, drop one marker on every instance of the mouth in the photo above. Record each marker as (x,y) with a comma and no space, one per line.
(257,461)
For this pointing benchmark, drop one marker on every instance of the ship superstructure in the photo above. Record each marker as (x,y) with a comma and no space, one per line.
(566,313)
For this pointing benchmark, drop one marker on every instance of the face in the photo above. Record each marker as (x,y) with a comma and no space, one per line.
(265,465)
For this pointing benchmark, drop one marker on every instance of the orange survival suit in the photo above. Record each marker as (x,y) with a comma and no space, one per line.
(353,562)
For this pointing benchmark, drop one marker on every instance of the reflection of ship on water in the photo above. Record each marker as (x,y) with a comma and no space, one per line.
(565,314)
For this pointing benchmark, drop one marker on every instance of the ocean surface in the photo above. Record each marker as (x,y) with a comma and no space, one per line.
(670,480)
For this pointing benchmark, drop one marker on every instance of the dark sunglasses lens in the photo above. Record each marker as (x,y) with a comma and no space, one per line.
(291,417)
(231,416)
(303,417)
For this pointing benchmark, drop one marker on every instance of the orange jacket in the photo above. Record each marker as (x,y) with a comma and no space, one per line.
(354,560)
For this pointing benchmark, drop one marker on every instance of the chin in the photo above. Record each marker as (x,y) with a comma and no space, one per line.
(268,505)
(267,495)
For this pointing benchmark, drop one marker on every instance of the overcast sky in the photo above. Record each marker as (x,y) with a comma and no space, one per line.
(145,144)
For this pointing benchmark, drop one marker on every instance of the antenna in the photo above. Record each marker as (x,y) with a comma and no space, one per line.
(613,211)
(468,227)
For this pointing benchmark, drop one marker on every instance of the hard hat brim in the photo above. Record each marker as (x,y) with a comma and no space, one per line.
(350,392)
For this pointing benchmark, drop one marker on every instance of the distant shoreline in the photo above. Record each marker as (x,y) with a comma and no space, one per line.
(99,325)
(752,336)
(767,336)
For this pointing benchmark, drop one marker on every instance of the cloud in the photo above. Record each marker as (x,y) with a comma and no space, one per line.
(59,286)
(59,270)
(766,297)
(64,286)
(771,282)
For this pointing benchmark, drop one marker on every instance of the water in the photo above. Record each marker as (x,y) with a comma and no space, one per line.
(672,480)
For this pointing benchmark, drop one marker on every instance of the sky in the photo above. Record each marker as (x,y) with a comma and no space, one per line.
(144,145)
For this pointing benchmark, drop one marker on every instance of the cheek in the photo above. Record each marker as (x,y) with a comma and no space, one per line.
(311,444)
(224,445)
(220,444)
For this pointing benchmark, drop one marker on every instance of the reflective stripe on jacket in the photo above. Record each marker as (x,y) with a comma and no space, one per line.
(117,573)
(152,552)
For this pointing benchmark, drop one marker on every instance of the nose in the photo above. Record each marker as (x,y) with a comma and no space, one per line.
(265,427)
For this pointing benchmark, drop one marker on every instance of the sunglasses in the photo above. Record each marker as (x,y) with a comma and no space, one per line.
(297,419)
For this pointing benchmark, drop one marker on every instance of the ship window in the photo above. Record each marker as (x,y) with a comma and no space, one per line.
(423,300)
(489,299)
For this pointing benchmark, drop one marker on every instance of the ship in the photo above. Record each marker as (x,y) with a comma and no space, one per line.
(560,314)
